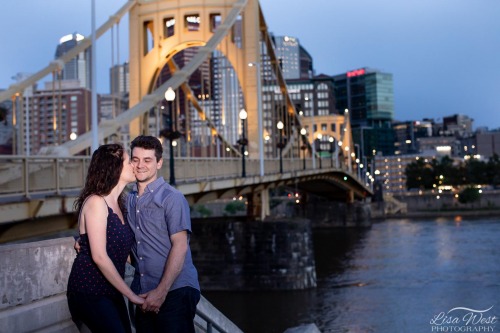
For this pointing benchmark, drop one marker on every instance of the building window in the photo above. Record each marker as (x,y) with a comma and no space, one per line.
(215,21)
(192,22)
(323,127)
(322,86)
(334,127)
(148,36)
(168,27)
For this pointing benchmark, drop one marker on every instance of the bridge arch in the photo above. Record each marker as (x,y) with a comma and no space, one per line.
(161,29)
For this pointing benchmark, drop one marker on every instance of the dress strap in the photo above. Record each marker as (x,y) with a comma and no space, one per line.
(81,209)
(105,201)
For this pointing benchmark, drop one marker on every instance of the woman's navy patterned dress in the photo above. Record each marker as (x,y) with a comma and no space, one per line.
(90,295)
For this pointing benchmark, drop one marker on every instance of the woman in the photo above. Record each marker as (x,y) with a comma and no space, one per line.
(96,285)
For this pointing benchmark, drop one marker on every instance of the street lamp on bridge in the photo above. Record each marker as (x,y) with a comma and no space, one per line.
(280,143)
(318,147)
(332,149)
(303,147)
(171,132)
(243,141)
(358,160)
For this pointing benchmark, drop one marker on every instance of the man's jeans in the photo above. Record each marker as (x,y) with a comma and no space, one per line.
(176,313)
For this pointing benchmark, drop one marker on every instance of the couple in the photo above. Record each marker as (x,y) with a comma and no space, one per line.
(153,225)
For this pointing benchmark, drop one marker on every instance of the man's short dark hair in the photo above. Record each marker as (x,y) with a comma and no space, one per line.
(147,142)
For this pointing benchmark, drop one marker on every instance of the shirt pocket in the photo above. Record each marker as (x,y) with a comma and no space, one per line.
(153,220)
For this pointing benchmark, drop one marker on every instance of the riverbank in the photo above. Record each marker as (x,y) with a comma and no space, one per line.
(479,213)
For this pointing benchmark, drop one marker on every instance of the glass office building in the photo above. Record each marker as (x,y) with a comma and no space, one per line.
(369,96)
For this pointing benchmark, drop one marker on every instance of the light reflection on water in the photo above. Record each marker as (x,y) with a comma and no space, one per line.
(393,277)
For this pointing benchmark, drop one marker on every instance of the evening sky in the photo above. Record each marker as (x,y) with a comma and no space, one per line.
(444,54)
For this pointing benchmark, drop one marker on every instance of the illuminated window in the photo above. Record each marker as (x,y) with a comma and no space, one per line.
(168,27)
(192,22)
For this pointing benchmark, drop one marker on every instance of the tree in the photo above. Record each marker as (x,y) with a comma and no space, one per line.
(468,195)
(235,206)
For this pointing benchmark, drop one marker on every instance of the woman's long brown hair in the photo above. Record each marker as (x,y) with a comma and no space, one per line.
(103,175)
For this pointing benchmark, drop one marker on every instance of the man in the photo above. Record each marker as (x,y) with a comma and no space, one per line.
(164,272)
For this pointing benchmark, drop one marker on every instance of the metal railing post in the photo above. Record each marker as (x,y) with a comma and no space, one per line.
(26,178)
(56,175)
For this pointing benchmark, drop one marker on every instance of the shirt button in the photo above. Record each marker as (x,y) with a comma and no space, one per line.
(137,227)
(142,274)
(139,242)
(137,211)
(140,258)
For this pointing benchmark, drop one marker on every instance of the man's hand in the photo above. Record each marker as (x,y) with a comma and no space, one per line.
(153,300)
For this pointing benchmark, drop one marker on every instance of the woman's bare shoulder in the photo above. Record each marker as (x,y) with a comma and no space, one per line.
(95,203)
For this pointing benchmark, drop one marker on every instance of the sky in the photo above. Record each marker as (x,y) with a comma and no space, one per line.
(444,55)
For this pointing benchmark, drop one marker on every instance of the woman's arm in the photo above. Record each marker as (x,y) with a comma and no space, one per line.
(95,213)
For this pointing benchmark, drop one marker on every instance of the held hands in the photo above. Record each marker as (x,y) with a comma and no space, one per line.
(138,300)
(153,300)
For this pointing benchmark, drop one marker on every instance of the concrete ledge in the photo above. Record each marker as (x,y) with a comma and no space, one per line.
(34,271)
(47,315)
(33,284)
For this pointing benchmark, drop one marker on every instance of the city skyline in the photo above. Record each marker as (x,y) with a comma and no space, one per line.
(443,56)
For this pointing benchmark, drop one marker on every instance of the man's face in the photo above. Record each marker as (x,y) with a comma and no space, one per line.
(145,165)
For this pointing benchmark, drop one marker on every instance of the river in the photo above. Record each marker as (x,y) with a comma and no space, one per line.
(397,276)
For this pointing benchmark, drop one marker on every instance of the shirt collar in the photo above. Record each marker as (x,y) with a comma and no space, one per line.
(151,187)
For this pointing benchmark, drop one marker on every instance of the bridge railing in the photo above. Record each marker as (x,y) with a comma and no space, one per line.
(25,177)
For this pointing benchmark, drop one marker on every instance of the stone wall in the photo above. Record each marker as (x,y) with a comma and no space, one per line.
(447,201)
(249,255)
(326,214)
(33,282)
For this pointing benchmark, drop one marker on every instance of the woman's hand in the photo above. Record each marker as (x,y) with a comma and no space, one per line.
(136,299)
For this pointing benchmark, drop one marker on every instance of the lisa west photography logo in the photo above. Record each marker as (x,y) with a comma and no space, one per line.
(462,319)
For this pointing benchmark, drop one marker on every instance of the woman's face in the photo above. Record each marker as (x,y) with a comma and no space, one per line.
(127,174)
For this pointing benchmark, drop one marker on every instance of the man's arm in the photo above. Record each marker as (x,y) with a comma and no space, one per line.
(175,262)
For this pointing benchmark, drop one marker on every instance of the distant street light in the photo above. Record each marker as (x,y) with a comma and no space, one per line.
(318,147)
(358,161)
(243,141)
(332,149)
(280,143)
(303,147)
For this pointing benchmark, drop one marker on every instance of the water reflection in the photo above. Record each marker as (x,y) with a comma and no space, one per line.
(393,277)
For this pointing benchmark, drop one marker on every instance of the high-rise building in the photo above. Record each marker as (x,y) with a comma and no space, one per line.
(458,125)
(6,128)
(117,102)
(368,94)
(487,144)
(407,135)
(294,60)
(77,68)
(119,80)
(313,98)
(58,114)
